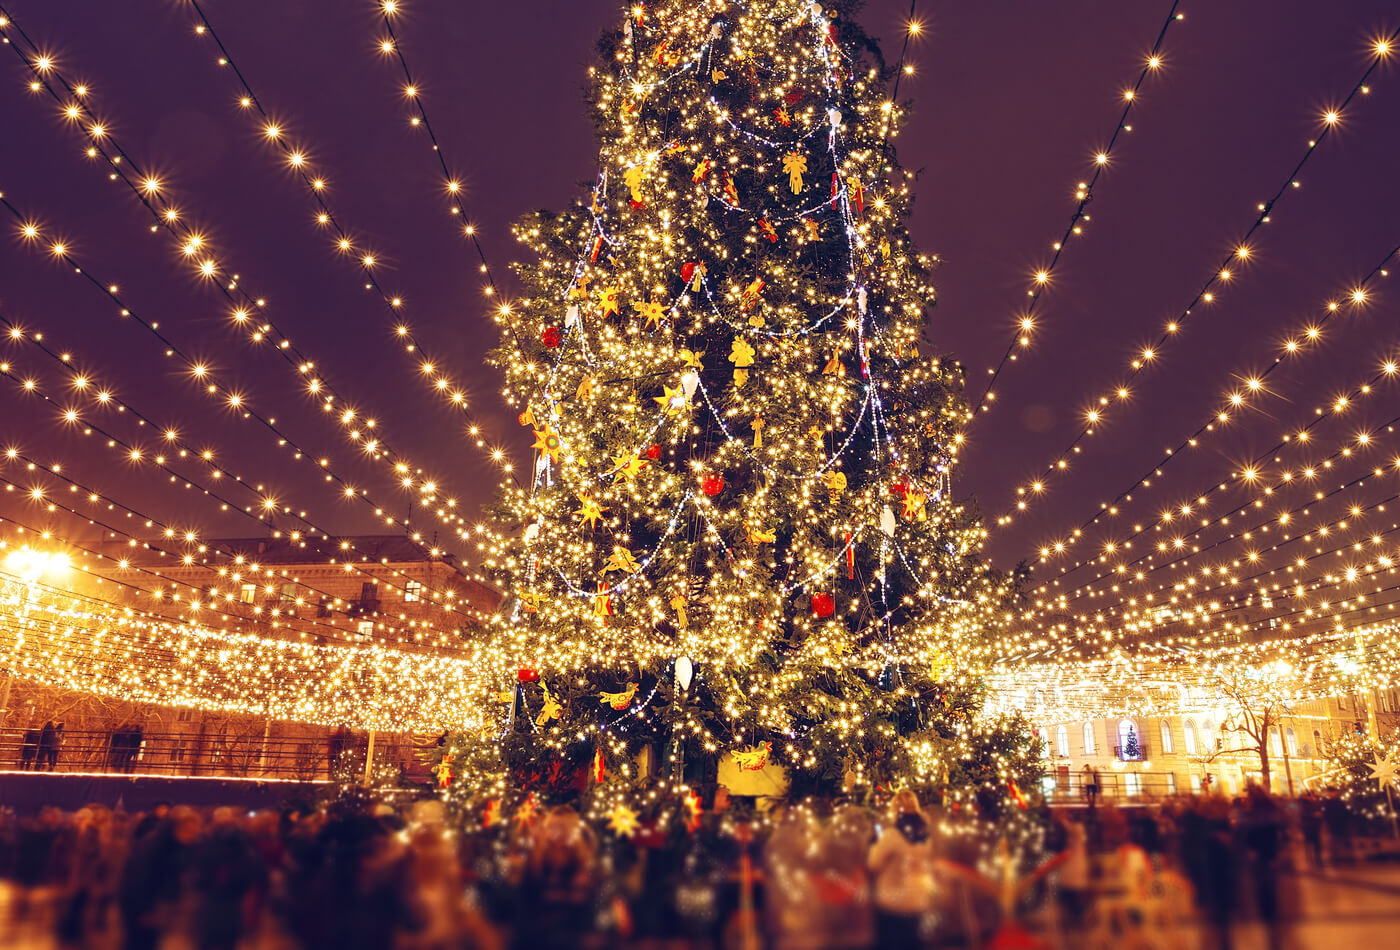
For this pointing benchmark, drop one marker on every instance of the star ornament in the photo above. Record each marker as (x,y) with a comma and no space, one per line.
(622,821)
(627,466)
(671,399)
(607,300)
(651,312)
(590,512)
(1384,770)
(547,441)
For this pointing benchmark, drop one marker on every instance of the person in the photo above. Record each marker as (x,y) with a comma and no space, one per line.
(29,751)
(1310,818)
(1075,873)
(152,880)
(1091,785)
(557,883)
(901,861)
(49,738)
(1209,863)
(1261,825)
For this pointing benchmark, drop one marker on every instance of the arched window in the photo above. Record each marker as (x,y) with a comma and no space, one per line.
(1211,737)
(1275,743)
(1088,738)
(1317,742)
(1062,741)
(1129,744)
(1291,741)
(1166,737)
(1191,744)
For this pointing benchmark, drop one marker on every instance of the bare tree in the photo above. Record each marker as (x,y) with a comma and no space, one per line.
(1259,702)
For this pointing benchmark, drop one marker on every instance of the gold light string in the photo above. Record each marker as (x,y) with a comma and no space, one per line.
(432,370)
(1097,414)
(1303,339)
(364,437)
(104,397)
(193,246)
(1084,194)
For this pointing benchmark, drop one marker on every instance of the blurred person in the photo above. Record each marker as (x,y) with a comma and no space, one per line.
(1310,822)
(790,858)
(845,881)
(902,862)
(228,879)
(1075,874)
(29,750)
(49,738)
(1208,858)
(556,883)
(1262,831)
(440,914)
(153,879)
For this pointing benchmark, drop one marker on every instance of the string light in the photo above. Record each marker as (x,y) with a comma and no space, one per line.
(1083,193)
(1205,294)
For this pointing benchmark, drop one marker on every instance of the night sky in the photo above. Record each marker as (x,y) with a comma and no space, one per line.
(1011,101)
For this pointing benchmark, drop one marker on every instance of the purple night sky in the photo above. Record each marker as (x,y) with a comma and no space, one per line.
(1011,101)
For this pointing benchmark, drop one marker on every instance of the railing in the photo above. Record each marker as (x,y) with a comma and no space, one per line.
(1074,787)
(188,754)
(1122,754)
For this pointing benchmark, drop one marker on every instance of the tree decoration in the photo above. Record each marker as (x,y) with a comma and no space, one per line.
(552,336)
(622,821)
(754,758)
(619,701)
(688,518)
(795,166)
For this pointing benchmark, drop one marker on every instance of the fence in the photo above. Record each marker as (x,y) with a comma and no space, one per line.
(246,755)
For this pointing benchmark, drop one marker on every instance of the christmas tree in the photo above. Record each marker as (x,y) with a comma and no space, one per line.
(737,535)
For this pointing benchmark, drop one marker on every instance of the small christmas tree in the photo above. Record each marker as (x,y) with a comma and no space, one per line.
(737,533)
(1132,750)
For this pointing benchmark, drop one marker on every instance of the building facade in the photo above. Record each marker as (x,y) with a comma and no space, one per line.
(1203,750)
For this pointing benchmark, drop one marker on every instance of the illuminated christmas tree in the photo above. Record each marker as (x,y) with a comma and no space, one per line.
(737,534)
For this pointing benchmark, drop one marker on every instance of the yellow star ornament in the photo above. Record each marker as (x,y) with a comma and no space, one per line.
(671,399)
(627,466)
(547,441)
(607,299)
(622,821)
(590,512)
(651,312)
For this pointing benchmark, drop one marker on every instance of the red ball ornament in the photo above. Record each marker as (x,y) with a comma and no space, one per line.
(653,451)
(552,336)
(823,605)
(529,676)
(712,484)
(688,271)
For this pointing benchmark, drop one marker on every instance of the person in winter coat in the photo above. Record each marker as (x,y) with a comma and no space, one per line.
(902,863)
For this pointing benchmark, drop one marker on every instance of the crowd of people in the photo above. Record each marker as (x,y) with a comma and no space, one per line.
(823,875)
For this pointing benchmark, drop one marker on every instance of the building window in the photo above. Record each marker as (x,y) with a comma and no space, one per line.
(1191,745)
(1132,783)
(1062,741)
(1129,745)
(1291,742)
(1088,738)
(1171,783)
(289,593)
(1317,742)
(248,593)
(413,592)
(1166,737)
(365,627)
(1195,781)
(1275,743)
